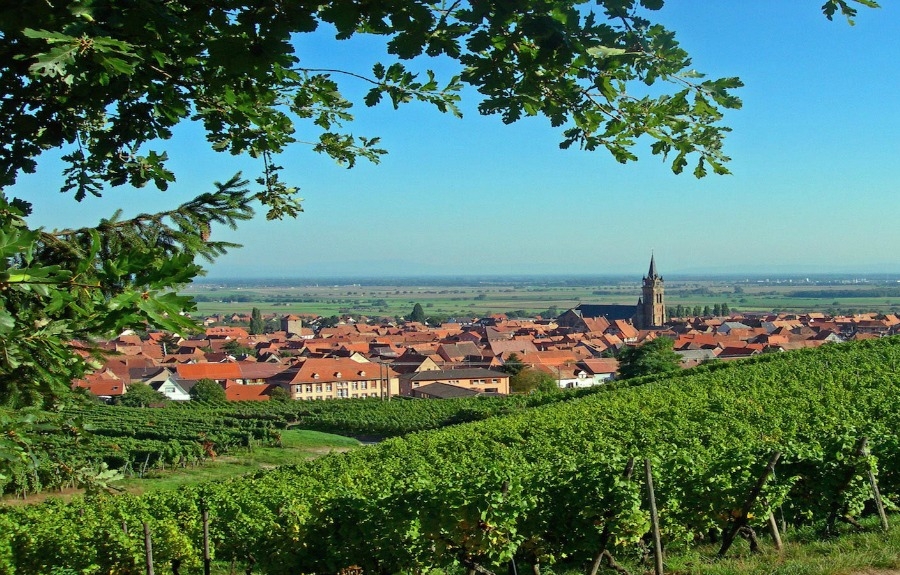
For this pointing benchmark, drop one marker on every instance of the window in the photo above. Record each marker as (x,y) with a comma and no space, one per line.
(491,390)
(495,380)
(327,387)
(342,393)
(318,388)
(307,388)
(354,385)
(477,382)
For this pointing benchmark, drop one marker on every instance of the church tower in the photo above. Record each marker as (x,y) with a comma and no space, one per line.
(651,307)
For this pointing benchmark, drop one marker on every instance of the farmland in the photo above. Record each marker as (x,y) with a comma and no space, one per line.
(448,298)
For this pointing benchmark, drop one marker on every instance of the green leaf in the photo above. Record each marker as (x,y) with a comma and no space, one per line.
(605,51)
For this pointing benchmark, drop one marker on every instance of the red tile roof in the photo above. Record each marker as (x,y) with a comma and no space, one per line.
(258,392)
(196,371)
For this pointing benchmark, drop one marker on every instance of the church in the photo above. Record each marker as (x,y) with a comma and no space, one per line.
(649,313)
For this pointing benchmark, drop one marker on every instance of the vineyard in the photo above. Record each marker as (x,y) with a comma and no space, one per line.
(67,447)
(730,446)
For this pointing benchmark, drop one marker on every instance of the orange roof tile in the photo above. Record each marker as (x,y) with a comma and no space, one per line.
(259,392)
(196,371)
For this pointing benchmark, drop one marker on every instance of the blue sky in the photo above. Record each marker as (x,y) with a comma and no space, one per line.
(816,170)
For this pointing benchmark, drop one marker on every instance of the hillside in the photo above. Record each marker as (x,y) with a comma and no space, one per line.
(543,486)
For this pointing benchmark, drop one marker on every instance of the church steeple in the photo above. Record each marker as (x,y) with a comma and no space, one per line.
(652,273)
(651,307)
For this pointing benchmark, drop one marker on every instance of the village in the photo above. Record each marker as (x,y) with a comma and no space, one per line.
(362,357)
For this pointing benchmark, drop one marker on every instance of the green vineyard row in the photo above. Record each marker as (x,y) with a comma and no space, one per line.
(132,438)
(543,485)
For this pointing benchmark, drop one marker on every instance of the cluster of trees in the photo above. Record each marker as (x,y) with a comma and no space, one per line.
(525,379)
(650,358)
(717,310)
(418,315)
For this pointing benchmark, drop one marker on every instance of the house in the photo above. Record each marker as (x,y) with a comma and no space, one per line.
(438,390)
(224,332)
(694,357)
(729,326)
(459,352)
(218,372)
(477,379)
(172,388)
(252,392)
(104,384)
(732,352)
(337,378)
(596,371)
(163,380)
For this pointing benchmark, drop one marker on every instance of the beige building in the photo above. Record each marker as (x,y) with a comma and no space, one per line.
(476,379)
(337,378)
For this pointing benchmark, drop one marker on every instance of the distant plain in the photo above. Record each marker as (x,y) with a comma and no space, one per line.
(466,298)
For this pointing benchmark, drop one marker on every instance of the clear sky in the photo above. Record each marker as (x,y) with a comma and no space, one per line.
(816,171)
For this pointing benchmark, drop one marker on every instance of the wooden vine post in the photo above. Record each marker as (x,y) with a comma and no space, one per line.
(654,518)
(741,521)
(206,558)
(876,493)
(148,549)
(773,529)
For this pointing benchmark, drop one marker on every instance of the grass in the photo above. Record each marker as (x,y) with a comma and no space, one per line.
(297,445)
(871,551)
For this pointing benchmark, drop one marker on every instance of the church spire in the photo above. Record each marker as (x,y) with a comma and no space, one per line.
(652,272)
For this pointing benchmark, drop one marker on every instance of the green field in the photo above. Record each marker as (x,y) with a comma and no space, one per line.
(466,300)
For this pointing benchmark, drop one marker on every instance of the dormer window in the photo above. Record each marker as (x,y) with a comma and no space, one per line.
(315,376)
(337,374)
(362,374)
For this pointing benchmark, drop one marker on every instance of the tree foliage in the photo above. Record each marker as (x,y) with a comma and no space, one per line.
(207,390)
(513,364)
(528,380)
(652,357)
(83,284)
(257,325)
(279,394)
(142,395)
(235,347)
(417,314)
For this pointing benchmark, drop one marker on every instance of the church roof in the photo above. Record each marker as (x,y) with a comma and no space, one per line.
(652,272)
(610,312)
